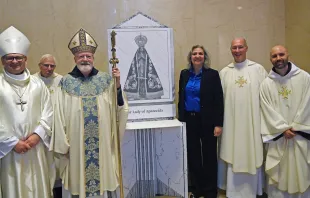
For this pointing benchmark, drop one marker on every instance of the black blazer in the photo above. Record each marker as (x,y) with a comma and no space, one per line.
(211,98)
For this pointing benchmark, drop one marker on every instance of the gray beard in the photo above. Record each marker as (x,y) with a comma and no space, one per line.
(85,68)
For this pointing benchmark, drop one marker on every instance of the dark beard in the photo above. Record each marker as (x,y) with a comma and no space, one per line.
(283,65)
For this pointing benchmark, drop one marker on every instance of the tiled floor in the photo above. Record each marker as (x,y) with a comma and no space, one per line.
(221,194)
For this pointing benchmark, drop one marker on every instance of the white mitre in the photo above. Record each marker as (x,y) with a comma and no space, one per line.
(13,41)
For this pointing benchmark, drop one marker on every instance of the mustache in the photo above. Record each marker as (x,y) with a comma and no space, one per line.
(85,63)
(280,61)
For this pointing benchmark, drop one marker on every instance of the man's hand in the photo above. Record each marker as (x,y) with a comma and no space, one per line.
(21,147)
(33,139)
(116,74)
(217,131)
(289,134)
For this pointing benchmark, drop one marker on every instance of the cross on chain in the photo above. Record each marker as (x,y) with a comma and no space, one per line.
(21,103)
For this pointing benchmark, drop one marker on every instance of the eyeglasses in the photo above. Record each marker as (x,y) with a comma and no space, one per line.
(48,65)
(11,58)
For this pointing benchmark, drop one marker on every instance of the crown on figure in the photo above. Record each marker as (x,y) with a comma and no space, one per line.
(82,41)
(141,40)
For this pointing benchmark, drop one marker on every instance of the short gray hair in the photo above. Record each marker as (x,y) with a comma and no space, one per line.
(47,56)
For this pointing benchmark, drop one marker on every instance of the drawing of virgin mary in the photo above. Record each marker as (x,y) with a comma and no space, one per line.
(142,82)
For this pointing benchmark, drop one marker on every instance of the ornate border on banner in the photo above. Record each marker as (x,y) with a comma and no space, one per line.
(160,25)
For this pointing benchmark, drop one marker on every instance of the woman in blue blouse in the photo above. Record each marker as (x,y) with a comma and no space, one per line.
(201,107)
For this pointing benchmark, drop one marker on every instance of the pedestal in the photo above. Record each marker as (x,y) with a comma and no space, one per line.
(154,159)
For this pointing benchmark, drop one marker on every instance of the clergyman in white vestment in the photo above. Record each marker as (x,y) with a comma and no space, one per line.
(285,102)
(241,146)
(85,124)
(27,169)
(51,79)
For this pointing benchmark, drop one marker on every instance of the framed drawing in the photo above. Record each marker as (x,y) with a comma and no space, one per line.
(144,48)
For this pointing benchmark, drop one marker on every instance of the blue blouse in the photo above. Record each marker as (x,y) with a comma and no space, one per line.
(192,92)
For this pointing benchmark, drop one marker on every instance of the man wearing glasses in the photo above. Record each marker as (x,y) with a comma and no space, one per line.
(47,65)
(51,79)
(25,124)
(85,124)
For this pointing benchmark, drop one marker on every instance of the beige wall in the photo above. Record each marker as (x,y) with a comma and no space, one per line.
(212,23)
(297,30)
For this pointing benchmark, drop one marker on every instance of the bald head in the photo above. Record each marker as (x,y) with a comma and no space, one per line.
(239,40)
(278,48)
(279,57)
(239,49)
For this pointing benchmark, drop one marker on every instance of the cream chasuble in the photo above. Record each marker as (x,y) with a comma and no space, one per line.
(241,147)
(26,108)
(84,134)
(51,82)
(285,102)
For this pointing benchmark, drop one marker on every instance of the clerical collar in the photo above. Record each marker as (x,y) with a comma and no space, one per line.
(288,71)
(76,73)
(20,80)
(51,76)
(242,64)
(22,76)
(46,81)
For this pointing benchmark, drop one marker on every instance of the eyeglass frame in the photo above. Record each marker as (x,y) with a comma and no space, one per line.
(48,65)
(17,58)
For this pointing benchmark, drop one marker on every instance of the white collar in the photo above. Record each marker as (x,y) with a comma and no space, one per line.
(247,62)
(22,76)
(20,80)
(294,70)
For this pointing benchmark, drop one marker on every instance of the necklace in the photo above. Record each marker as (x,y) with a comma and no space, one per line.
(20,102)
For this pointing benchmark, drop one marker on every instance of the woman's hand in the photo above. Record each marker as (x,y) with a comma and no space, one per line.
(217,131)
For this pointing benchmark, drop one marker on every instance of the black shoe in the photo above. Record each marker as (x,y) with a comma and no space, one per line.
(210,195)
(57,192)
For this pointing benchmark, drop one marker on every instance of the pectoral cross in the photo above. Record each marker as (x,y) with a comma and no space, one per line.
(21,103)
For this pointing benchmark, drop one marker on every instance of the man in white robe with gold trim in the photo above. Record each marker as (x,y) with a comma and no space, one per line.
(85,124)
(241,147)
(285,102)
(27,169)
(51,79)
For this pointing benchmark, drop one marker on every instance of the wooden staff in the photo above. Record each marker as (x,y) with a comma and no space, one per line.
(115,61)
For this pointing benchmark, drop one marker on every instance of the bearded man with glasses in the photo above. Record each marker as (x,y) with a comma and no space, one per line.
(85,126)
